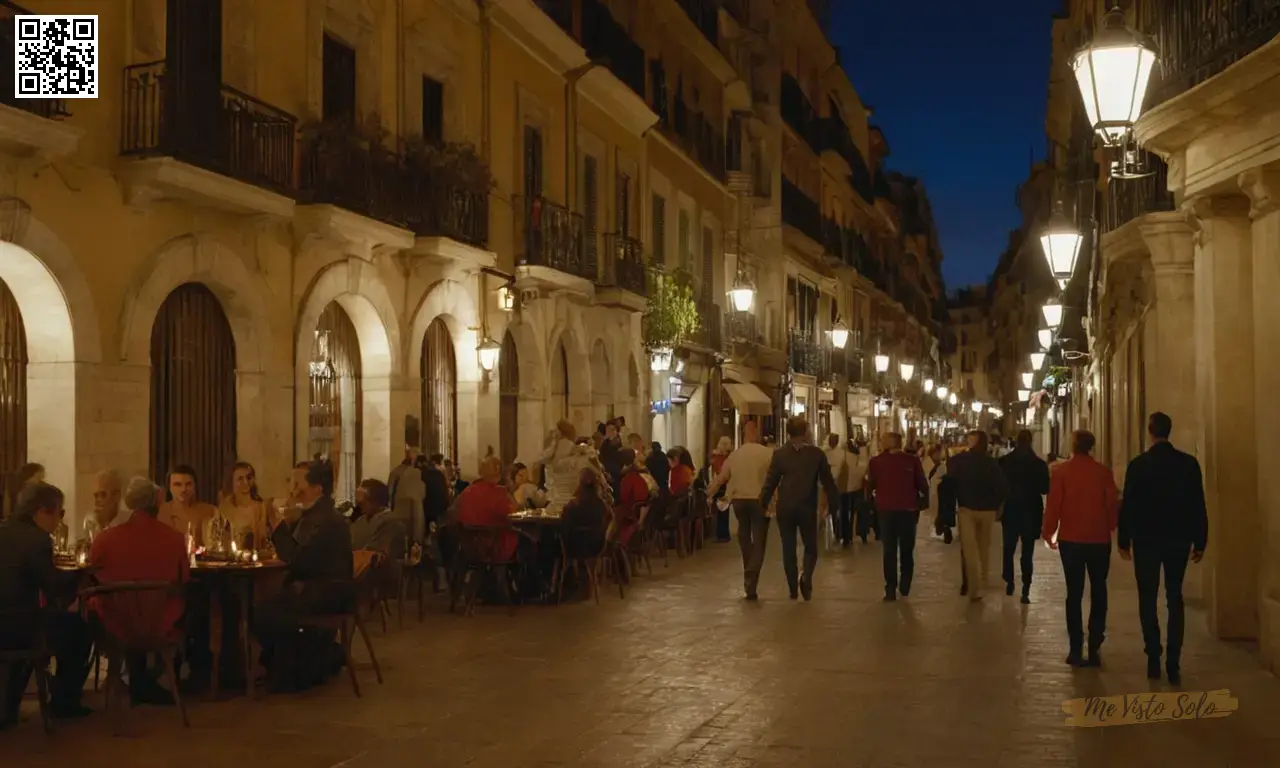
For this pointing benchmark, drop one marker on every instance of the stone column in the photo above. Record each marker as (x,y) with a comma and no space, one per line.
(1224,334)
(1263,188)
(1171,360)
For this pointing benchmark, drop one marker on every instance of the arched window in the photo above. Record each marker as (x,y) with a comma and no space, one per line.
(439,392)
(13,385)
(335,428)
(193,388)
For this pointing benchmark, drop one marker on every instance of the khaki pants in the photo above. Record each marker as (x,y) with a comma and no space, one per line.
(975,544)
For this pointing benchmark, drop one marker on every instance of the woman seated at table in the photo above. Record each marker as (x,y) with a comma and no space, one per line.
(523,490)
(241,506)
(633,492)
(682,471)
(586,516)
(486,504)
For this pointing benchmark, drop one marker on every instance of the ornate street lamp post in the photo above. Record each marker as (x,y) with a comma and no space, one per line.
(1061,243)
(1112,71)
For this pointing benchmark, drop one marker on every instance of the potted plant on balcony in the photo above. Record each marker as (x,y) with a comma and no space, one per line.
(336,151)
(454,164)
(671,316)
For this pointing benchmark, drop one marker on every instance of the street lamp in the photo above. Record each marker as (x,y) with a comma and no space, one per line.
(953,399)
(506,299)
(742,295)
(660,359)
(1062,283)
(1112,72)
(1037,360)
(906,370)
(928,386)
(1052,314)
(488,350)
(977,407)
(1061,244)
(1045,337)
(942,393)
(1024,395)
(839,335)
(1027,380)
(882,363)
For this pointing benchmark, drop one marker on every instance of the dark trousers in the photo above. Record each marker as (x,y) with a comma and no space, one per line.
(1019,532)
(722,525)
(868,520)
(802,523)
(753,536)
(844,517)
(898,537)
(68,639)
(1148,560)
(1077,561)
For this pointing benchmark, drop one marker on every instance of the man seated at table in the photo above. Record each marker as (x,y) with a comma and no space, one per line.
(142,549)
(29,604)
(185,513)
(377,529)
(108,512)
(314,541)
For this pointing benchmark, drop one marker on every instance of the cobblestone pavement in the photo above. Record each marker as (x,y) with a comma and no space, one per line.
(683,672)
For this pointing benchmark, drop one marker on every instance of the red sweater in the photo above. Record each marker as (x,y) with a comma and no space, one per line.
(487,505)
(898,481)
(1082,504)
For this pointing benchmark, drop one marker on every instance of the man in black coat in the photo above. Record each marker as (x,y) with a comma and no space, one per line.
(1028,477)
(1163,524)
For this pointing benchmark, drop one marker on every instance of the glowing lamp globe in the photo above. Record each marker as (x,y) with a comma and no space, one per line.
(953,399)
(742,297)
(1112,72)
(1045,337)
(488,351)
(1052,314)
(928,385)
(942,393)
(906,370)
(839,335)
(977,407)
(1037,361)
(1061,244)
(882,363)
(1028,379)
(1024,395)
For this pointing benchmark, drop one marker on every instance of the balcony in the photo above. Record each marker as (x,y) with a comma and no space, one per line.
(625,281)
(552,238)
(228,150)
(604,38)
(734,144)
(705,15)
(692,132)
(808,357)
(743,327)
(709,334)
(799,113)
(438,209)
(1127,199)
(800,211)
(1198,39)
(28,126)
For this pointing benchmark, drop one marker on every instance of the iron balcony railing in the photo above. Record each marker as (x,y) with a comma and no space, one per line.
(798,112)
(553,237)
(1127,199)
(437,209)
(228,132)
(693,132)
(1197,39)
(53,109)
(705,15)
(601,36)
(337,169)
(801,211)
(743,327)
(808,356)
(624,265)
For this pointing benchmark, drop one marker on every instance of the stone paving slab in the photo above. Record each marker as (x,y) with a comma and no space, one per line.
(683,672)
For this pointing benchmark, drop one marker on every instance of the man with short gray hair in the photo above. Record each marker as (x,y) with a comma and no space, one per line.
(108,511)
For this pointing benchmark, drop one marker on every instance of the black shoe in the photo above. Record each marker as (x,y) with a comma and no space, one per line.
(890,594)
(752,596)
(795,593)
(1073,659)
(1008,588)
(1026,599)
(806,589)
(1153,668)
(1094,659)
(904,590)
(69,711)
(1175,674)
(946,536)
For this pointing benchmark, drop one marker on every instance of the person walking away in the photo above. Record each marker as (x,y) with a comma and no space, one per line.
(718,457)
(980,490)
(935,469)
(850,502)
(1028,478)
(897,481)
(837,459)
(795,472)
(1163,523)
(1082,511)
(743,476)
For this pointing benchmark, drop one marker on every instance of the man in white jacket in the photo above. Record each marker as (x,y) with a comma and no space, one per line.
(744,472)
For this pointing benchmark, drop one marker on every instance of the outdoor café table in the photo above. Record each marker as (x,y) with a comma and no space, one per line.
(225,577)
(547,533)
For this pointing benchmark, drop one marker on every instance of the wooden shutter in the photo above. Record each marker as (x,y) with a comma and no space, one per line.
(532,162)
(339,88)
(13,387)
(707,274)
(659,244)
(432,111)
(624,205)
(686,256)
(509,400)
(591,207)
(193,95)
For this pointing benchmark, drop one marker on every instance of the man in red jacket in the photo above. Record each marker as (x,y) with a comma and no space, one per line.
(1082,511)
(897,481)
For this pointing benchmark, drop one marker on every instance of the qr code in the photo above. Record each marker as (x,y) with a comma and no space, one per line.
(56,57)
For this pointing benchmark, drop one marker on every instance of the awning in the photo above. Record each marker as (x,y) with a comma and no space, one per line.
(748,399)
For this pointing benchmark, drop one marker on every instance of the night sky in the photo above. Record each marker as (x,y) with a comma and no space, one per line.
(959,90)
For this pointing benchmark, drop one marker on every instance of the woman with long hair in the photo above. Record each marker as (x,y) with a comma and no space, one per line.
(658,466)
(682,471)
(240,505)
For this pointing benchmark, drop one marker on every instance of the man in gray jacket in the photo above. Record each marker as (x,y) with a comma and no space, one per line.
(798,467)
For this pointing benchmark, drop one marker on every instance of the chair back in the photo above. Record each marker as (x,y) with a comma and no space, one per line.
(482,544)
(135,613)
(21,634)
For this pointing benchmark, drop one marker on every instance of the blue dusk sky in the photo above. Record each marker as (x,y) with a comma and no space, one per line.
(960,94)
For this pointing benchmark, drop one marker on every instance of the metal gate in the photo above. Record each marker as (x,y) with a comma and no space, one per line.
(439,392)
(193,388)
(335,421)
(508,401)
(13,386)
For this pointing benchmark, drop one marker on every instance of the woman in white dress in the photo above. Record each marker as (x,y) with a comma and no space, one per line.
(563,460)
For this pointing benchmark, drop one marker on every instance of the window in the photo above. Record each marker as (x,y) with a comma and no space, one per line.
(685,242)
(338,97)
(432,111)
(591,207)
(706,276)
(623,214)
(964,338)
(532,162)
(659,234)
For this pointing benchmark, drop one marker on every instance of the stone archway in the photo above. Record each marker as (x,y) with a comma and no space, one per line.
(603,401)
(567,358)
(448,312)
(363,297)
(60,336)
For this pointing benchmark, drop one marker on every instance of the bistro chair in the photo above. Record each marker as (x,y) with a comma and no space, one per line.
(641,543)
(480,555)
(35,653)
(582,550)
(349,623)
(133,621)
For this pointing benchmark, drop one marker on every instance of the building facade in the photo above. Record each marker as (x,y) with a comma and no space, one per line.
(298,228)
